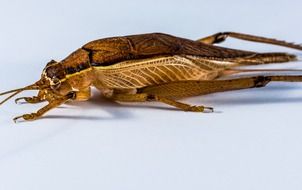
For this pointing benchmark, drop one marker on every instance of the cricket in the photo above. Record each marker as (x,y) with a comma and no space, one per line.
(153,67)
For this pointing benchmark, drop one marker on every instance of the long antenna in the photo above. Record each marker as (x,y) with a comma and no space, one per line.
(14,94)
(17,91)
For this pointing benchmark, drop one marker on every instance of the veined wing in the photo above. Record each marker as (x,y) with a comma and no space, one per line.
(146,72)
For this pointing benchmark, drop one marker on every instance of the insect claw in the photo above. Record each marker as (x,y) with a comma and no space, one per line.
(16,118)
(26,117)
(208,109)
(18,99)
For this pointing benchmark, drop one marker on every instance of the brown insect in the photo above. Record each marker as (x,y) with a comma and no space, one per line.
(152,67)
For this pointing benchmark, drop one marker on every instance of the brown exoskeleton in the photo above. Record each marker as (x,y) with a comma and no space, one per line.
(152,67)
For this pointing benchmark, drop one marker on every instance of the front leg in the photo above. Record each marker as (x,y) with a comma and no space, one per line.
(31,100)
(41,97)
(81,95)
(52,104)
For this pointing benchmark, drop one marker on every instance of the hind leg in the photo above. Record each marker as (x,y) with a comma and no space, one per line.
(257,58)
(221,36)
(194,88)
(166,93)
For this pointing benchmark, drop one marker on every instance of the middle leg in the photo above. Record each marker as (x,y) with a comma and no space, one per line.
(144,97)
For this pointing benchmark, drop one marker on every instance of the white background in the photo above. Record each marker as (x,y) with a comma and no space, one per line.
(253,141)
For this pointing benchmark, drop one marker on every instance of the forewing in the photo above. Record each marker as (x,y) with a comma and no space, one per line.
(109,51)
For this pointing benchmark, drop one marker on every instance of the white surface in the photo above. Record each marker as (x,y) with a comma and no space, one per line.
(252,142)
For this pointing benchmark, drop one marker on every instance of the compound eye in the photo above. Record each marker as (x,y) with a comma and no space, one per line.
(51,62)
(56,83)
